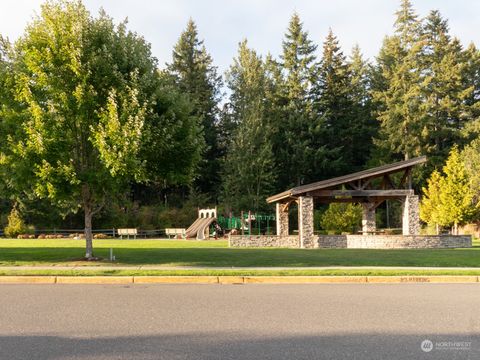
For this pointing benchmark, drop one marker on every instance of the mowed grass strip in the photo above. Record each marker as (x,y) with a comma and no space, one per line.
(206,272)
(217,254)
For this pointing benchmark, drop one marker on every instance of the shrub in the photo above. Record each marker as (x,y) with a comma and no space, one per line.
(101,236)
(15,225)
(341,218)
(54,236)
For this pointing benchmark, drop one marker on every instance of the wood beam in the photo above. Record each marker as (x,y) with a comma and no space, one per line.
(355,200)
(353,185)
(285,206)
(361,193)
(388,181)
(404,178)
(365,184)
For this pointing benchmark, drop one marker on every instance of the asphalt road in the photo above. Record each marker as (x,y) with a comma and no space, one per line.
(327,321)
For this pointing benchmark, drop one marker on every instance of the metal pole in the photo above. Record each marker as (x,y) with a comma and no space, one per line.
(249,223)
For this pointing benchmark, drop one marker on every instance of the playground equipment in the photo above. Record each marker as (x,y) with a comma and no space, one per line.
(248,223)
(201,227)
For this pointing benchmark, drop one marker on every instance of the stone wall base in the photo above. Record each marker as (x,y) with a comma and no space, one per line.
(357,241)
(264,241)
(394,241)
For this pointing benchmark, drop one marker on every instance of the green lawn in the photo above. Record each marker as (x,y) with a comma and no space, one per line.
(217,254)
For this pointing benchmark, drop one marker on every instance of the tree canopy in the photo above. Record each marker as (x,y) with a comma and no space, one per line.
(88,103)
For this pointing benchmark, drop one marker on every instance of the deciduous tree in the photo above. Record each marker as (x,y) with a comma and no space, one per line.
(88,110)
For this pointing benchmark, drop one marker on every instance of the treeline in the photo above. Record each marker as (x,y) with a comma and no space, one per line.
(88,121)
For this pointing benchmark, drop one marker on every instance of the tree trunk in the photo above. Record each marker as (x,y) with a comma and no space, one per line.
(88,211)
(88,233)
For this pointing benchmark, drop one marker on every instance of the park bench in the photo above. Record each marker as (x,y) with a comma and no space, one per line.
(127,232)
(175,232)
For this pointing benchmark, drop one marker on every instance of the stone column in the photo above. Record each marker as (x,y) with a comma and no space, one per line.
(305,221)
(369,224)
(411,216)
(282,219)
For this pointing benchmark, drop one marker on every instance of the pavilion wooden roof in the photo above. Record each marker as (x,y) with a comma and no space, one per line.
(318,188)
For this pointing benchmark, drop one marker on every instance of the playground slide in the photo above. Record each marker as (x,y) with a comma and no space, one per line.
(191,231)
(197,229)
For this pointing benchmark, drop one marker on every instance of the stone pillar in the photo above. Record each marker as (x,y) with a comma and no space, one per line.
(282,219)
(305,221)
(369,224)
(411,217)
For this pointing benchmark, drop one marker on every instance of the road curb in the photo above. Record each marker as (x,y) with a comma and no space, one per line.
(28,279)
(423,279)
(94,280)
(175,279)
(237,279)
(304,279)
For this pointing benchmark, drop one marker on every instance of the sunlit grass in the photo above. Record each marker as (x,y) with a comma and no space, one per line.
(193,253)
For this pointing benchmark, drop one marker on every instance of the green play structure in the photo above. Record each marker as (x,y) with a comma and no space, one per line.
(248,223)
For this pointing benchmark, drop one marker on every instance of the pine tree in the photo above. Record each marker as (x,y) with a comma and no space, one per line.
(426,90)
(298,60)
(397,93)
(298,154)
(249,176)
(444,90)
(471,78)
(333,104)
(196,76)
(364,125)
(406,25)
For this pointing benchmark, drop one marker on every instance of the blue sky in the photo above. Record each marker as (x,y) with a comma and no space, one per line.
(224,23)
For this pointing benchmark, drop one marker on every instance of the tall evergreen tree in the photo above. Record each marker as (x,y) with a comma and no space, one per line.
(444,90)
(299,157)
(249,176)
(333,102)
(196,76)
(471,78)
(426,89)
(407,26)
(398,87)
(365,126)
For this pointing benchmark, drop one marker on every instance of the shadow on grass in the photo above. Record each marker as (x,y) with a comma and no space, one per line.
(225,257)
